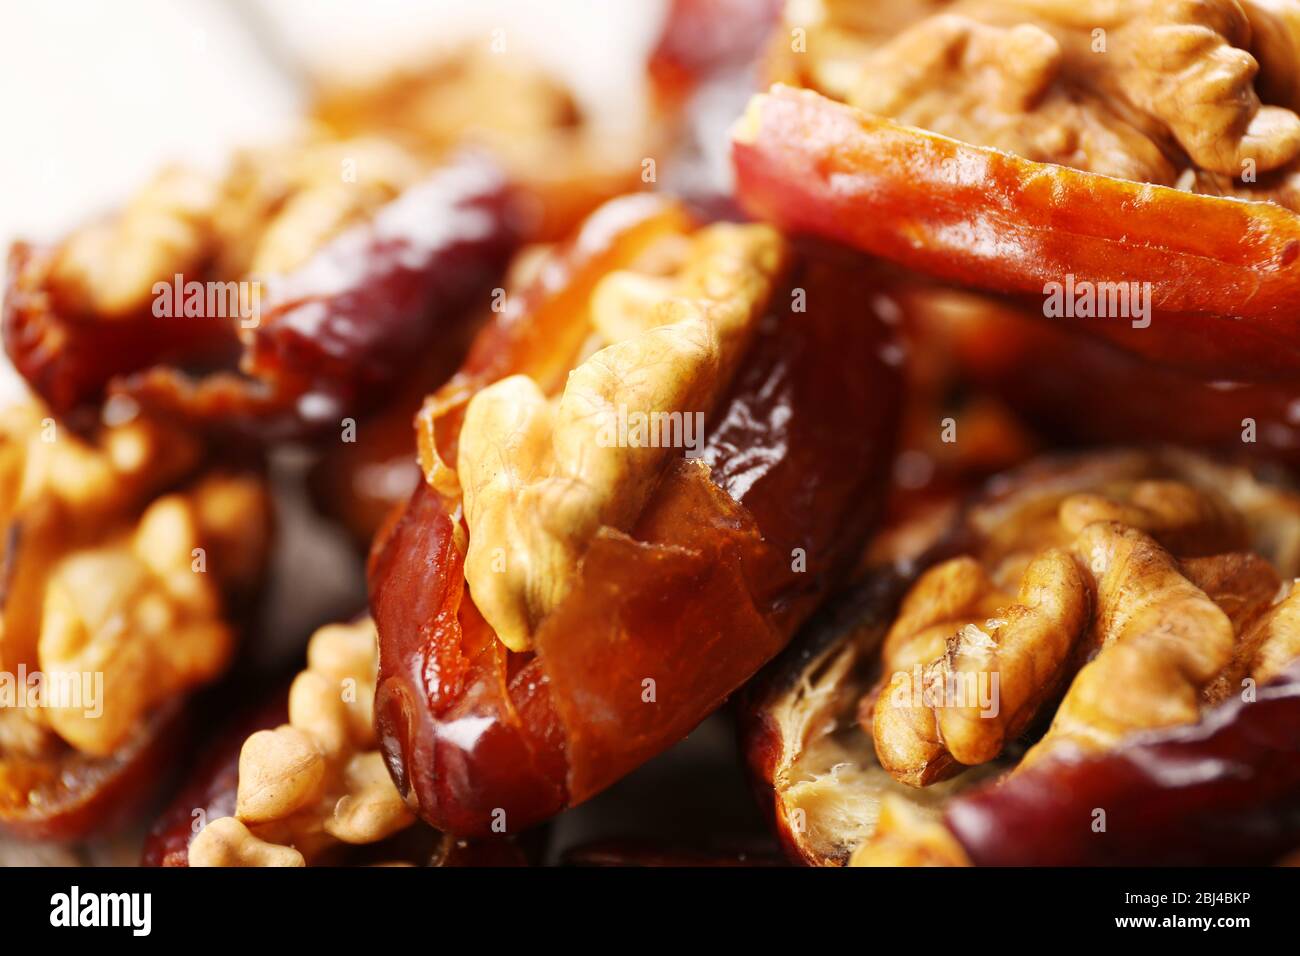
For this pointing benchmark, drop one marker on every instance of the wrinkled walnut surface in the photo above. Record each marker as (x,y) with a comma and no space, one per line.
(318,780)
(1148,590)
(1197,94)
(539,476)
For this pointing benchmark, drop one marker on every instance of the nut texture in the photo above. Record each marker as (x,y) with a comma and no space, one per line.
(539,477)
(1159,91)
(1139,595)
(318,780)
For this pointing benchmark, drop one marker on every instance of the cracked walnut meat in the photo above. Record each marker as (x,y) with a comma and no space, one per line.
(1135,589)
(319,780)
(104,579)
(539,475)
(1196,93)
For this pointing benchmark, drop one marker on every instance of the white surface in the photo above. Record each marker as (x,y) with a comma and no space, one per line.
(96,95)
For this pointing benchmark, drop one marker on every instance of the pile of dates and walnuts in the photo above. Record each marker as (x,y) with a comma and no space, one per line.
(794,441)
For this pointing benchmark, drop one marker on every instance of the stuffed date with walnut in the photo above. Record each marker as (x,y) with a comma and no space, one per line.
(563,597)
(1128,610)
(992,144)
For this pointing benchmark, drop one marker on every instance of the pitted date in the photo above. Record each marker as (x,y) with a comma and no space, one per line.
(478,734)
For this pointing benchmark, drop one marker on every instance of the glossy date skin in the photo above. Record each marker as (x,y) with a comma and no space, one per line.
(332,337)
(1223,791)
(1224,274)
(697,597)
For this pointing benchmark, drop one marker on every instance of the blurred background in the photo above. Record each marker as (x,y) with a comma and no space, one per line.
(98,95)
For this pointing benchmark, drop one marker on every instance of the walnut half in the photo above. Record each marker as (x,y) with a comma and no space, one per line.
(1160,91)
(1147,590)
(540,475)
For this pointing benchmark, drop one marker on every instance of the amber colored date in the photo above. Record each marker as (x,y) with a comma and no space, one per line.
(463,726)
(703,591)
(1223,275)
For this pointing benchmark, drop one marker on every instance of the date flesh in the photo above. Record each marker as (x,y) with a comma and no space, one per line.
(701,593)
(1224,275)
